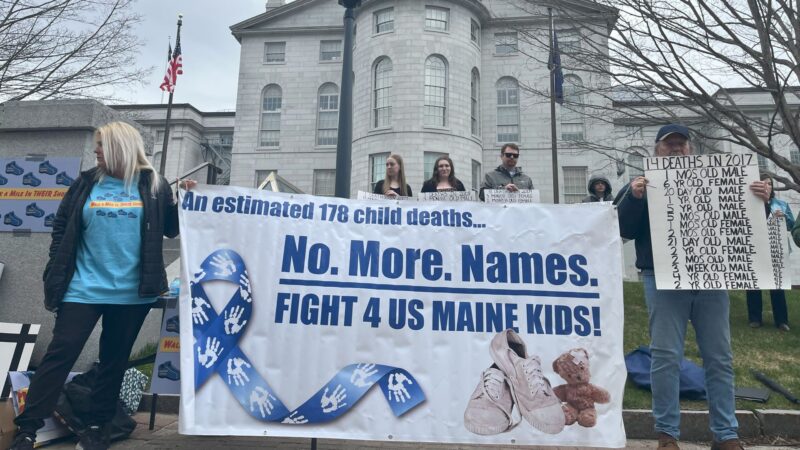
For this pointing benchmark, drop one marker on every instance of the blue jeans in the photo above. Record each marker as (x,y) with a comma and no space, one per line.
(669,313)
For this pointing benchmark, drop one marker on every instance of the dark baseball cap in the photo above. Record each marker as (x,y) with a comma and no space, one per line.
(666,130)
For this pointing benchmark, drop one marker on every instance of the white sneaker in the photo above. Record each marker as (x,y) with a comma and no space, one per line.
(489,409)
(530,389)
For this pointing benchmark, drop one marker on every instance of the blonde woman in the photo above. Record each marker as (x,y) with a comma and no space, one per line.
(394,185)
(105,261)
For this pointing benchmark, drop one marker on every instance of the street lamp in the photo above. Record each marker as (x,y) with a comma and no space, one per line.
(344,142)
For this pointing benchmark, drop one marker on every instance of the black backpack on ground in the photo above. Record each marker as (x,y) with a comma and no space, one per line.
(75,403)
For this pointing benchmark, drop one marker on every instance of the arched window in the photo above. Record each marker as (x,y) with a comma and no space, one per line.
(475,109)
(635,162)
(507,110)
(271,116)
(435,91)
(382,96)
(328,114)
(572,126)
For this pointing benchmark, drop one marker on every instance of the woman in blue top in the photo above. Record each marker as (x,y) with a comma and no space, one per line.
(105,261)
(780,312)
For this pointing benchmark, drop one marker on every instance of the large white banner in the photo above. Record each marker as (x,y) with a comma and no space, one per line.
(709,231)
(431,322)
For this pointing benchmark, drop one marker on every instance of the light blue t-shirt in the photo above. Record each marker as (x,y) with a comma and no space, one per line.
(107,265)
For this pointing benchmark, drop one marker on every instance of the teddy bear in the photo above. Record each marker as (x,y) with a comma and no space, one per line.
(579,395)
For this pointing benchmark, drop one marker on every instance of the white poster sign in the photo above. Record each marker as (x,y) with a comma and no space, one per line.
(709,231)
(362,195)
(504,196)
(324,317)
(447,196)
(779,249)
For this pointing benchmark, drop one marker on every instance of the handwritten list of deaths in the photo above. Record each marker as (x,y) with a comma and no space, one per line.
(709,231)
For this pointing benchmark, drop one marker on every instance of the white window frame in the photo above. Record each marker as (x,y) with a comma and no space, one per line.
(377,171)
(326,189)
(573,127)
(794,156)
(433,18)
(475,102)
(382,81)
(272,60)
(327,96)
(574,185)
(380,20)
(503,98)
(435,92)
(475,32)
(476,175)
(506,40)
(265,112)
(330,55)
(635,162)
(428,158)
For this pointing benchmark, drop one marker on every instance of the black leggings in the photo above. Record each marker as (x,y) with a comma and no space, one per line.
(74,325)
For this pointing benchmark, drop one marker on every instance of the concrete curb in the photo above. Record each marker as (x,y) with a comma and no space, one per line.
(758,424)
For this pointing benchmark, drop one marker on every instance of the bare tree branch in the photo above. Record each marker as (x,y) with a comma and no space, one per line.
(67,48)
(678,60)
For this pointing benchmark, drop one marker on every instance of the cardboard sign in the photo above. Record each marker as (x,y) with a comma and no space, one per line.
(709,231)
(504,196)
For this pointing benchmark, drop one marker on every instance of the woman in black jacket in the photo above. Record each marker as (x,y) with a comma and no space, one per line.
(105,261)
(443,178)
(394,185)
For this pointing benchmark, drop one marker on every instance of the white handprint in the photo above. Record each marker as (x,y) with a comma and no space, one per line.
(232,324)
(397,390)
(261,398)
(198,277)
(334,401)
(224,265)
(295,419)
(208,357)
(362,372)
(244,287)
(236,371)
(199,315)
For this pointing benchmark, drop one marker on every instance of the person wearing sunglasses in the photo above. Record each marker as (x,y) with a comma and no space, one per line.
(507,175)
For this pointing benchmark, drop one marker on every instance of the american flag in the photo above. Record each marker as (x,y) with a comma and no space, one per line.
(174,66)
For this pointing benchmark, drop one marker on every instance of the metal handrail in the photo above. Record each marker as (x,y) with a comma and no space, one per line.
(211,178)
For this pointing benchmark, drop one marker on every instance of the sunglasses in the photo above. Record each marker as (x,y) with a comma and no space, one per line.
(511,155)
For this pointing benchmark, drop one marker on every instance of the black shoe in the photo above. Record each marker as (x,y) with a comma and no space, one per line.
(94,438)
(23,441)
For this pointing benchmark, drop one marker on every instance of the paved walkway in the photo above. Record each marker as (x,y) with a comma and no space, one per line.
(165,436)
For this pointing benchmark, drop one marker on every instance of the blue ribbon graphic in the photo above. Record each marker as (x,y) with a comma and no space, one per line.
(216,350)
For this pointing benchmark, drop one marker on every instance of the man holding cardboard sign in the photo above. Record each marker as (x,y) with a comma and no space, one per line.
(671,310)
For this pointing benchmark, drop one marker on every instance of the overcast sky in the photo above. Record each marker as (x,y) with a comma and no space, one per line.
(210,52)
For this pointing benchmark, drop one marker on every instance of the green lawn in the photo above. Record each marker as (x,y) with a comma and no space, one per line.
(775,353)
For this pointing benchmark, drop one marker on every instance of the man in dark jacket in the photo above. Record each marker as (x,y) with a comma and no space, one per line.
(670,311)
(599,190)
(507,175)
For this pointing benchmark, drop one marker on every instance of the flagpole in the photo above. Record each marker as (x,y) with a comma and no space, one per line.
(553,141)
(161,168)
